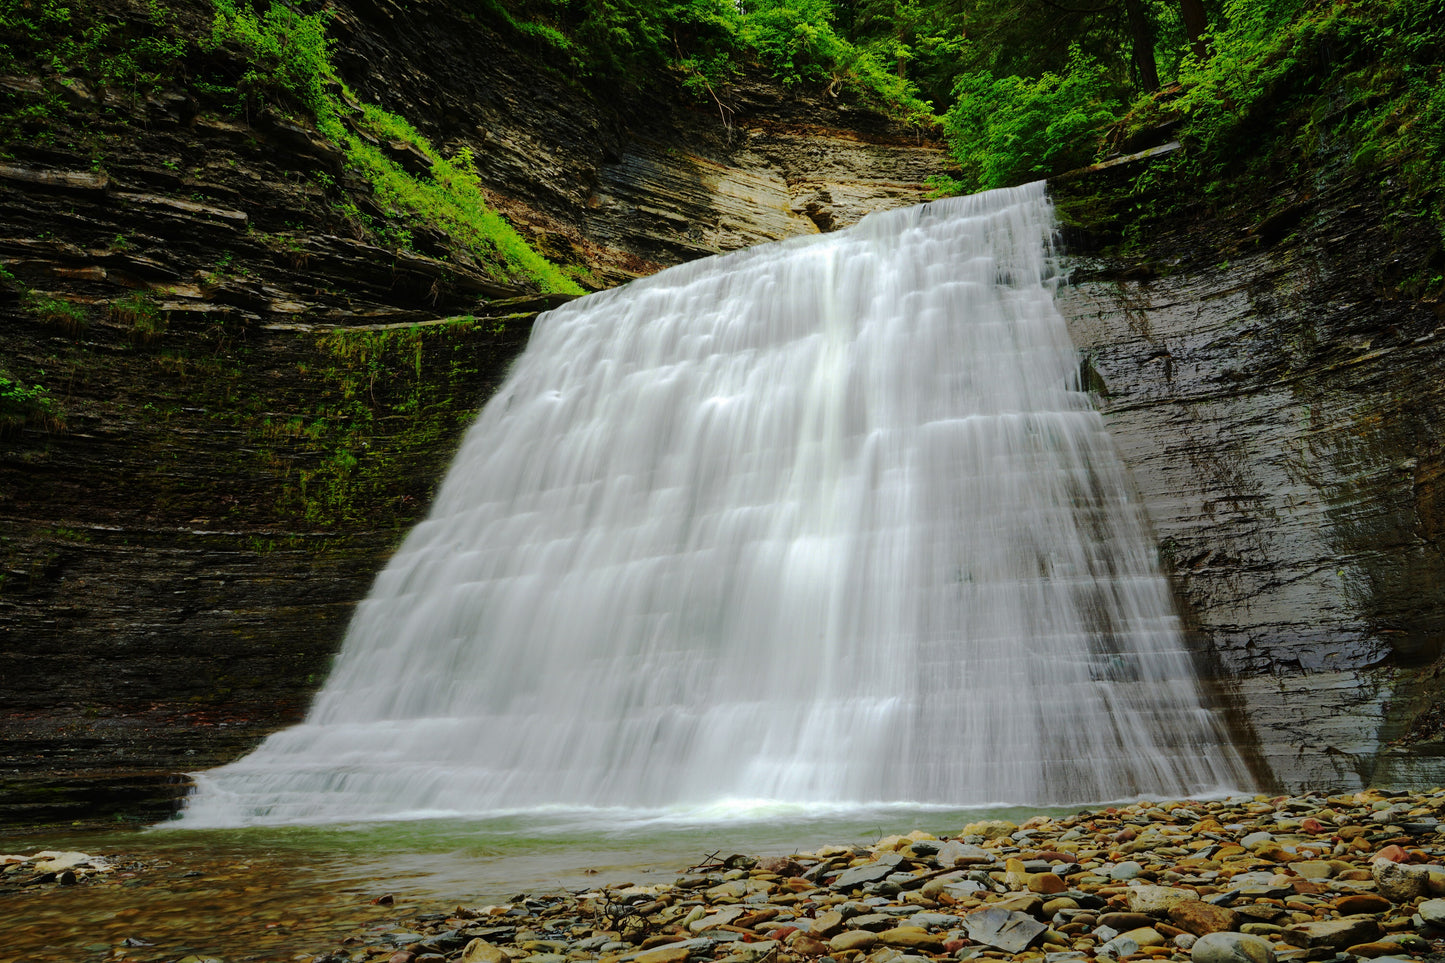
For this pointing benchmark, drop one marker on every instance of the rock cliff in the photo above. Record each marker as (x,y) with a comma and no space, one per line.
(251,396)
(1274,387)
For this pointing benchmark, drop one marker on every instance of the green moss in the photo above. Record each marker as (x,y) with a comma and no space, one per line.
(59,313)
(378,428)
(290,63)
(140,312)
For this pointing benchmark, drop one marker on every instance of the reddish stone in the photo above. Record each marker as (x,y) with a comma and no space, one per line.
(1357,903)
(1393,853)
(953,946)
(1312,825)
(804,945)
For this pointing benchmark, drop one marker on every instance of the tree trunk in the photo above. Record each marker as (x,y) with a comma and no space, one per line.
(1142,30)
(1196,23)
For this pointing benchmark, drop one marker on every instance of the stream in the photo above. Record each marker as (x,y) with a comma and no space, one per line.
(295,892)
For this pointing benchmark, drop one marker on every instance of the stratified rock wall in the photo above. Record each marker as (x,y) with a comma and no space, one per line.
(630,181)
(1279,401)
(254,398)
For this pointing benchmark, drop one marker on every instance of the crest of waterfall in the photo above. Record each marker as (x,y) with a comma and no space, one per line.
(829,520)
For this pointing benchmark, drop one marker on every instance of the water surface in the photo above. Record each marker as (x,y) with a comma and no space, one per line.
(273,893)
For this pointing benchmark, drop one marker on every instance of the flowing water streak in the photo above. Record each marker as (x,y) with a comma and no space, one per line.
(822,521)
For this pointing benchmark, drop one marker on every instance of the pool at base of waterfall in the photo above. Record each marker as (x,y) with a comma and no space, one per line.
(279,893)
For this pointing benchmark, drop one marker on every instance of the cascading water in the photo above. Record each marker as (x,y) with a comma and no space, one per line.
(822,521)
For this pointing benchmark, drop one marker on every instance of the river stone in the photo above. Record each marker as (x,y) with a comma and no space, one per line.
(731,890)
(1156,900)
(827,924)
(1007,930)
(1144,936)
(1372,951)
(1020,903)
(911,938)
(673,953)
(51,861)
(480,951)
(873,872)
(871,921)
(1254,840)
(1397,882)
(990,828)
(853,940)
(963,888)
(955,853)
(1231,948)
(933,921)
(1356,903)
(722,917)
(1047,884)
(1432,911)
(1313,868)
(1199,918)
(1119,946)
(1333,933)
(1128,869)
(801,944)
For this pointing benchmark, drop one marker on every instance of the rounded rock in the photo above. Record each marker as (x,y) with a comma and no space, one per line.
(1231,948)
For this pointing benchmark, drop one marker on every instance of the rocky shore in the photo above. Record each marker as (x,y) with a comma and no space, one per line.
(1244,880)
(1252,880)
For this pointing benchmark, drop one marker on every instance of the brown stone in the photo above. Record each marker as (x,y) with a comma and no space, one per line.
(1199,917)
(1362,903)
(1338,933)
(856,940)
(913,938)
(664,954)
(1046,883)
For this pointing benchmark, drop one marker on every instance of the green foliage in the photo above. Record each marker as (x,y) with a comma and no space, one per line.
(1006,130)
(138,51)
(290,61)
(140,312)
(289,52)
(1315,85)
(22,404)
(69,317)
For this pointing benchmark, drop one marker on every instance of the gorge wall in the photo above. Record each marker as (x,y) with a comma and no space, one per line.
(253,397)
(1275,388)
(183,537)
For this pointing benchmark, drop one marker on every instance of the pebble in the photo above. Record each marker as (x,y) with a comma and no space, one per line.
(1242,880)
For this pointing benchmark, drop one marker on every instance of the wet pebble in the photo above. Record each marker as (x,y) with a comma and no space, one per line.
(1243,880)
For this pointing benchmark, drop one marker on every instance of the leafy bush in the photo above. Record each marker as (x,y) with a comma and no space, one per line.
(22,404)
(1007,130)
(292,59)
(137,50)
(57,313)
(1303,84)
(290,51)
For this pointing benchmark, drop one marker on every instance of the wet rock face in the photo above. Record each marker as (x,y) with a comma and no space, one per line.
(630,181)
(255,398)
(1280,410)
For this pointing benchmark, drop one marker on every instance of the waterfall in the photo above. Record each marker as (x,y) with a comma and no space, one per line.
(827,521)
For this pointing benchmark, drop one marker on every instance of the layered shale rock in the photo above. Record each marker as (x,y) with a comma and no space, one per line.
(252,390)
(1276,395)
